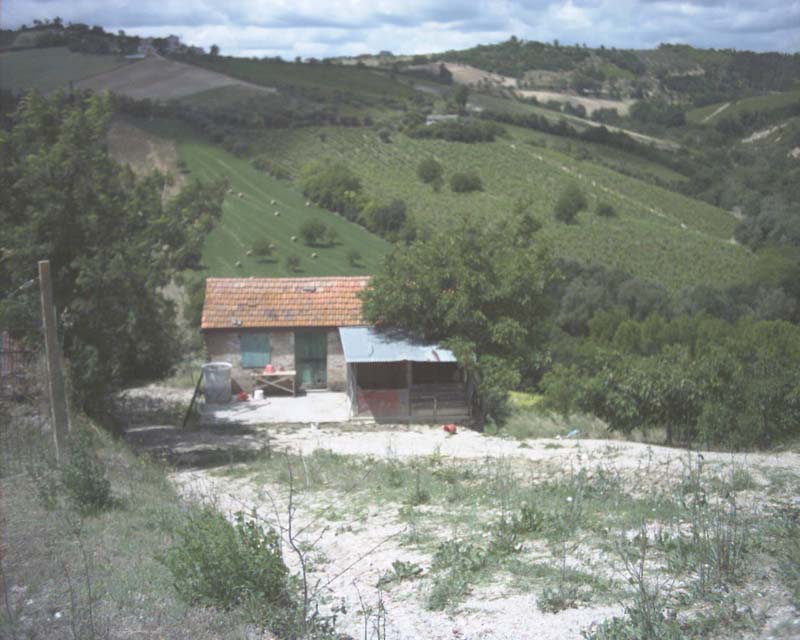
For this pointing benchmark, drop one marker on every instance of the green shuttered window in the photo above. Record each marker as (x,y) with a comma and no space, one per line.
(255,349)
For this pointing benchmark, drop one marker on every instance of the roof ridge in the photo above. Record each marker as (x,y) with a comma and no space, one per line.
(285,278)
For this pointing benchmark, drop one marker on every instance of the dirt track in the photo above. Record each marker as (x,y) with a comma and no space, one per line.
(356,543)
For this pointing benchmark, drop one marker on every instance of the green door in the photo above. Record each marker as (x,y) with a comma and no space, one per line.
(311,359)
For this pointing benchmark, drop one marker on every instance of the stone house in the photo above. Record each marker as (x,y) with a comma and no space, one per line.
(315,328)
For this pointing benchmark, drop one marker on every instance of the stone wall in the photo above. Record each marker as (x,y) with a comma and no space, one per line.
(223,346)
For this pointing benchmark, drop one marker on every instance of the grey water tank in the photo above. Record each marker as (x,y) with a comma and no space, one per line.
(217,382)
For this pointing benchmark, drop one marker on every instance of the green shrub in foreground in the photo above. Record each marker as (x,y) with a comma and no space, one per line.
(221,564)
(83,478)
(466,182)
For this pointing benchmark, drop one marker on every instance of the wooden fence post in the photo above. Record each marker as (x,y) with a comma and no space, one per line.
(55,374)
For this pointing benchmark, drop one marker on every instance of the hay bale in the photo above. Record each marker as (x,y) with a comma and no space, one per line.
(238,264)
(249,252)
(294,238)
(308,203)
(272,201)
(313,256)
(241,195)
(277,213)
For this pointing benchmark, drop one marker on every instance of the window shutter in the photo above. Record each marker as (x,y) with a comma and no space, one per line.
(255,349)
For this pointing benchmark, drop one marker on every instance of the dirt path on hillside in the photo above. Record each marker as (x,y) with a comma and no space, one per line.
(590,104)
(144,152)
(715,113)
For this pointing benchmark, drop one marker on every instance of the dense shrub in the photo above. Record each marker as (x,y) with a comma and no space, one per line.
(269,166)
(313,232)
(84,476)
(569,203)
(218,564)
(386,220)
(353,257)
(430,171)
(293,263)
(334,186)
(466,182)
(605,210)
(262,247)
(702,379)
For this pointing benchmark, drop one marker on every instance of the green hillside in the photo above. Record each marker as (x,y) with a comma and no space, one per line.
(322,78)
(767,103)
(251,217)
(51,68)
(657,234)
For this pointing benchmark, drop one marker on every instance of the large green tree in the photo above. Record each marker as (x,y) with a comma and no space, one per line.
(112,240)
(476,287)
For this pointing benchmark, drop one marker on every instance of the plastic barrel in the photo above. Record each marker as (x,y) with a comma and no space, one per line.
(217,382)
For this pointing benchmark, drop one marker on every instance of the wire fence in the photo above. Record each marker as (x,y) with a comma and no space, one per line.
(25,431)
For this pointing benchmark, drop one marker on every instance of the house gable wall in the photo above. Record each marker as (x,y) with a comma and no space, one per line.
(225,346)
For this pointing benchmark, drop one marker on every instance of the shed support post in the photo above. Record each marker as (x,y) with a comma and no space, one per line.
(409,381)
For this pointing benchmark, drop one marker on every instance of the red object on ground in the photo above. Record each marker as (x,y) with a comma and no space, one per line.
(450,428)
(269,369)
(242,396)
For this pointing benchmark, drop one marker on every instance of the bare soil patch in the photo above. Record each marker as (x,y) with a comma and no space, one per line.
(143,152)
(590,104)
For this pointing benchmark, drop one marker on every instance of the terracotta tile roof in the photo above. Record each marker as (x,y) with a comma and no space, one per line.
(282,302)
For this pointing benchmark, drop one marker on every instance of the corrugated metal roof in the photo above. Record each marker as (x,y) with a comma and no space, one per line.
(362,344)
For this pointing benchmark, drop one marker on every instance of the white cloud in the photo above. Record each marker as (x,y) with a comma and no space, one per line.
(335,27)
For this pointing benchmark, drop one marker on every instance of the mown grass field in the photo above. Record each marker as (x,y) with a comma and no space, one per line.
(657,233)
(756,103)
(51,68)
(246,219)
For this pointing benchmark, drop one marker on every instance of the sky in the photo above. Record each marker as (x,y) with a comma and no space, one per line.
(326,28)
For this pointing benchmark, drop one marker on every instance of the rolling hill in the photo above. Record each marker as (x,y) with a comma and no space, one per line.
(250,217)
(657,234)
(51,68)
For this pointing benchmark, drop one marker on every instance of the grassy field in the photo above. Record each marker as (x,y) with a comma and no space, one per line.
(345,80)
(657,233)
(251,217)
(756,103)
(48,69)
(624,160)
(69,574)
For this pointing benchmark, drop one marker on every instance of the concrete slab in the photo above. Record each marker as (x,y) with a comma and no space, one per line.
(314,407)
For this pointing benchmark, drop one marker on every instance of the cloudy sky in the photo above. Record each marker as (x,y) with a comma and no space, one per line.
(323,28)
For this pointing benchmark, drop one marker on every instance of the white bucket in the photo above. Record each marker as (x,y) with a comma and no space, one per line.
(258,394)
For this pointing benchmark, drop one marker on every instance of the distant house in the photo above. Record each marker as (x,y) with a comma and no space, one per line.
(445,117)
(146,48)
(314,327)
(172,44)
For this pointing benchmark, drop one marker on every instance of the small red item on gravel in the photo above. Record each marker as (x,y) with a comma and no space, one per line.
(242,396)
(450,428)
